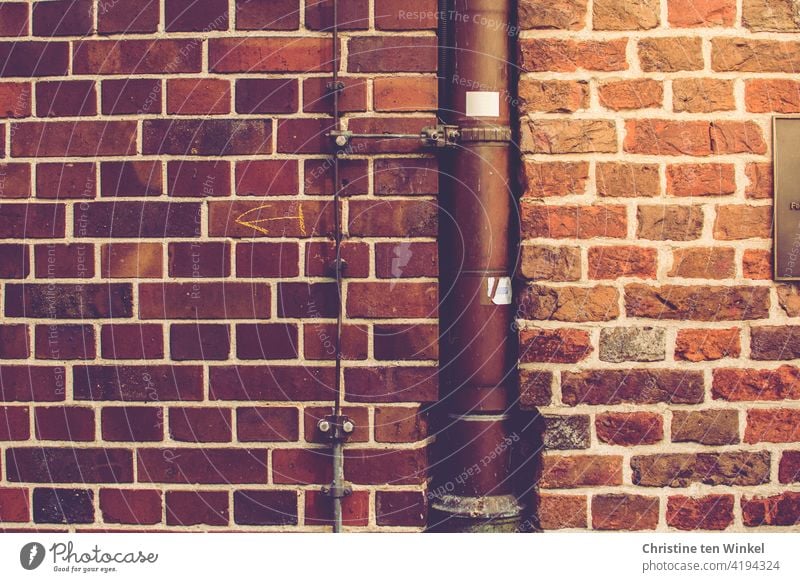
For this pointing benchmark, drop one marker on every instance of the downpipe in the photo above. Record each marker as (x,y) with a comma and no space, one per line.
(472,488)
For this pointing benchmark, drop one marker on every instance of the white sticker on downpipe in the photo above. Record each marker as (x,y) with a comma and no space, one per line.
(483,104)
(499,290)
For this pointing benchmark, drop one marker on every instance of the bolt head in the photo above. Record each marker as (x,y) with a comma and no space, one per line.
(341,140)
(324,426)
(348,426)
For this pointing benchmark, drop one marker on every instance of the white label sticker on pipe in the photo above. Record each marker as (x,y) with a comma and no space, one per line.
(499,290)
(483,104)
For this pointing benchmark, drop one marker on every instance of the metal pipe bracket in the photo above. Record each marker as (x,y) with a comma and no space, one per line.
(336,428)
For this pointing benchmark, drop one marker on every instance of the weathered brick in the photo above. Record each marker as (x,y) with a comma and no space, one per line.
(545,179)
(391,384)
(207,137)
(563,432)
(648,386)
(613,262)
(632,344)
(703,263)
(624,512)
(131,260)
(270,55)
(204,300)
(739,221)
(138,383)
(757,264)
(62,505)
(69,301)
(706,427)
(573,304)
(775,342)
(621,15)
(702,95)
(685,469)
(699,303)
(580,471)
(626,180)
(713,512)
(629,428)
(754,55)
(635,94)
(535,388)
(781,509)
(781,425)
(136,57)
(759,177)
(406,342)
(559,136)
(744,384)
(400,425)
(544,263)
(568,221)
(701,180)
(669,222)
(391,300)
(789,468)
(561,346)
(69,465)
(561,511)
(131,506)
(770,15)
(552,96)
(559,14)
(699,345)
(692,138)
(401,508)
(670,55)
(691,13)
(207,466)
(566,55)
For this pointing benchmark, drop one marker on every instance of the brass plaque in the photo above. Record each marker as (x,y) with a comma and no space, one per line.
(786,152)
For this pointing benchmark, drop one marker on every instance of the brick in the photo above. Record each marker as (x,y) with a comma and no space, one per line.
(545,179)
(196,341)
(554,346)
(561,14)
(188,179)
(544,263)
(206,466)
(759,176)
(789,299)
(406,342)
(635,94)
(187,508)
(388,218)
(66,99)
(386,466)
(270,55)
(69,301)
(131,96)
(396,260)
(319,511)
(621,15)
(62,18)
(772,95)
(536,95)
(629,428)
(66,180)
(738,221)
(15,181)
(64,342)
(132,341)
(358,414)
(128,17)
(740,385)
(204,301)
(406,125)
(669,222)
(130,506)
(406,15)
(757,264)
(624,180)
(406,177)
(405,94)
(566,55)
(200,425)
(711,427)
(13,342)
(70,465)
(624,512)
(317,98)
(558,136)
(195,16)
(750,55)
(698,303)
(281,218)
(400,425)
(387,54)
(14,18)
(535,388)
(702,95)
(315,300)
(691,13)
(267,14)
(391,384)
(278,383)
(770,15)
(267,424)
(789,468)
(136,57)
(279,259)
(318,341)
(566,432)
(568,221)
(699,345)
(774,342)
(392,300)
(772,426)
(562,511)
(131,260)
(14,503)
(31,384)
(267,178)
(693,138)
(266,341)
(61,139)
(14,261)
(14,424)
(138,219)
(670,55)
(580,471)
(648,386)
(198,96)
(615,262)
(34,59)
(685,469)
(781,509)
(206,137)
(207,259)
(138,383)
(130,178)
(258,507)
(63,505)
(572,304)
(64,423)
(353,177)
(132,424)
(703,263)
(301,466)
(267,95)
(401,508)
(632,344)
(701,180)
(304,136)
(351,16)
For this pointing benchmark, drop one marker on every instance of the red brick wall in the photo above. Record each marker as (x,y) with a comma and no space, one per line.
(165,210)
(654,343)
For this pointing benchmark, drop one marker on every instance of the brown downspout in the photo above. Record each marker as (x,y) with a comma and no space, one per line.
(472,488)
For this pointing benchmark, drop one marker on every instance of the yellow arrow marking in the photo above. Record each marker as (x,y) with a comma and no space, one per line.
(257,223)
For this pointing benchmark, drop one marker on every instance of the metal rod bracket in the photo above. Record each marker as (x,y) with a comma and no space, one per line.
(336,428)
